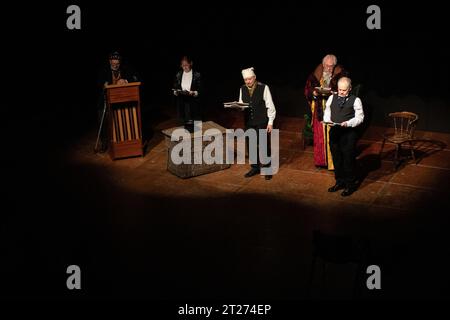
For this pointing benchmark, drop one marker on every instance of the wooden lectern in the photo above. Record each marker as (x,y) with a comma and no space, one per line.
(124,120)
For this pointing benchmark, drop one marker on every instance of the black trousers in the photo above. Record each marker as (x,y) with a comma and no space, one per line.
(188,109)
(257,127)
(343,147)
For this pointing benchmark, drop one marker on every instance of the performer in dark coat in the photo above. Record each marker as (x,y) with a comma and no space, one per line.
(115,73)
(188,91)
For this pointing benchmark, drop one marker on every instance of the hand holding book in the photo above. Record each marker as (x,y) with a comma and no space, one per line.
(235,105)
(332,124)
(179,92)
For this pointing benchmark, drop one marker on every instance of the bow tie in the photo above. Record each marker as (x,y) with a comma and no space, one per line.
(341,101)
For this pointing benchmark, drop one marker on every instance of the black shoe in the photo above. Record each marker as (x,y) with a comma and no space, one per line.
(347,192)
(268,177)
(336,187)
(252,172)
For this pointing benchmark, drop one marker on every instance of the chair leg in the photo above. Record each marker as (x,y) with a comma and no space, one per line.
(357,281)
(396,159)
(311,277)
(323,284)
(382,146)
(412,150)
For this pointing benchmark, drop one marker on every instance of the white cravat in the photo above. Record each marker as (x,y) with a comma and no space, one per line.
(186,80)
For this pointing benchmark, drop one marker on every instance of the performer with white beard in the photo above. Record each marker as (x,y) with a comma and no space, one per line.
(326,75)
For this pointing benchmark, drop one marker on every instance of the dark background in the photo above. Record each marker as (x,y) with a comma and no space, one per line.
(403,66)
(57,218)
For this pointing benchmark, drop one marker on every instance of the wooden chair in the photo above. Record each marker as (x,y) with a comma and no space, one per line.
(403,125)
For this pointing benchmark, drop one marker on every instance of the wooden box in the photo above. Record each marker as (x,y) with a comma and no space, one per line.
(184,170)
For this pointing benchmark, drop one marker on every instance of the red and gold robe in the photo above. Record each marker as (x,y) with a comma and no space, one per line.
(321,133)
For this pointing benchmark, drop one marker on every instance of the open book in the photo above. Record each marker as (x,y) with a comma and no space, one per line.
(181,92)
(331,123)
(322,90)
(235,105)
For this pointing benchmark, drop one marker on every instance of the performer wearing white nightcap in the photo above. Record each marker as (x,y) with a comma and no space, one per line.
(248,73)
(261,111)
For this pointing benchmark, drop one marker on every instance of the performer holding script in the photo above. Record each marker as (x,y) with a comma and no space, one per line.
(345,111)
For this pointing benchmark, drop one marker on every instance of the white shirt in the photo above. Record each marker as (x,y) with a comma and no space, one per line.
(186,81)
(353,122)
(267,96)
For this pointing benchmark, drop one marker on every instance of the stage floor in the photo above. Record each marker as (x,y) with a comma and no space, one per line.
(298,181)
(137,230)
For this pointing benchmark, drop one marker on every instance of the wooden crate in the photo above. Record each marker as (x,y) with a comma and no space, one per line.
(191,170)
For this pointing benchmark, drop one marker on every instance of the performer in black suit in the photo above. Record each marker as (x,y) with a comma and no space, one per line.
(188,91)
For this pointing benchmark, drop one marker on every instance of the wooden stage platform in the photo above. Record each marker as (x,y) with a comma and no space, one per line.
(139,231)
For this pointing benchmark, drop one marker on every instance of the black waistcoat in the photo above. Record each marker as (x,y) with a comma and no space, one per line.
(342,112)
(256,113)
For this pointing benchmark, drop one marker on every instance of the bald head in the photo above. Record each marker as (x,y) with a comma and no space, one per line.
(344,82)
(344,86)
